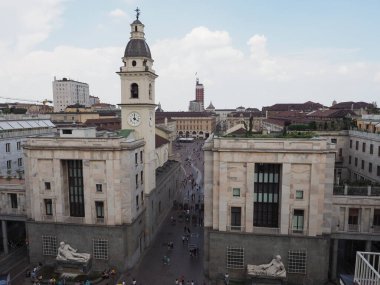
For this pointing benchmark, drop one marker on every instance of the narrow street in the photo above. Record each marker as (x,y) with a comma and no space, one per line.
(161,264)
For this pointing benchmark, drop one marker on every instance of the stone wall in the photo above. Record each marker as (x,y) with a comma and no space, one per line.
(260,249)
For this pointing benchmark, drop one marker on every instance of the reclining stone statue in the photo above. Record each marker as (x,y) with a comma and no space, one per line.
(67,253)
(275,269)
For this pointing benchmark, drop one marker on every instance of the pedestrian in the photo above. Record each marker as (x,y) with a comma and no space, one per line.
(176,281)
(183,240)
(192,282)
(134,282)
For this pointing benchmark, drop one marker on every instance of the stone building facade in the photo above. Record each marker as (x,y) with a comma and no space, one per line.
(265,197)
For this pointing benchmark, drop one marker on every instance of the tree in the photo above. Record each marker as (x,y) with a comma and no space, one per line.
(249,127)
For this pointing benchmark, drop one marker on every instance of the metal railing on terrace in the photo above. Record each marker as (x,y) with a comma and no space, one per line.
(347,190)
(367,268)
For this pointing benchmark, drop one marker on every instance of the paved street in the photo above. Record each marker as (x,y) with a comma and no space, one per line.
(152,269)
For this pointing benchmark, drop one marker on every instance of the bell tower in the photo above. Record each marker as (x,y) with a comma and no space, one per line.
(137,96)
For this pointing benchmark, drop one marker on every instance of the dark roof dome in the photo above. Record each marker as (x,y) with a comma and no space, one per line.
(137,48)
(137,21)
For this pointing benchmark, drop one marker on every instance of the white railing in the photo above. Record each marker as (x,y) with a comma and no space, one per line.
(367,268)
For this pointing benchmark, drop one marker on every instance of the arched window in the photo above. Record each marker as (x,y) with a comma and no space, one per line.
(150,91)
(135,28)
(134,90)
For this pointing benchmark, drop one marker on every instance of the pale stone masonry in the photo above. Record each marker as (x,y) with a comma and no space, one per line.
(305,185)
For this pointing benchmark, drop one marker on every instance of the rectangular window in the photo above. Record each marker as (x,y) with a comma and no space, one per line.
(297,261)
(136,158)
(299,194)
(7,147)
(18,145)
(266,195)
(100,248)
(99,188)
(13,199)
(371,149)
(333,140)
(235,218)
(137,181)
(370,167)
(142,197)
(340,152)
(378,151)
(48,207)
(76,193)
(363,147)
(378,170)
(141,156)
(137,201)
(356,145)
(236,192)
(298,220)
(49,245)
(235,257)
(19,161)
(376,218)
(9,164)
(350,143)
(68,132)
(47,186)
(363,164)
(353,219)
(99,207)
(349,159)
(142,177)
(356,161)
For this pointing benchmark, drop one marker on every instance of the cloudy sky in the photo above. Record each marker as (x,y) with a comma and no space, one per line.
(246,52)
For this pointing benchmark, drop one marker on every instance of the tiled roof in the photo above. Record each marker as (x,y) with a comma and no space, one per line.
(183,114)
(351,105)
(307,106)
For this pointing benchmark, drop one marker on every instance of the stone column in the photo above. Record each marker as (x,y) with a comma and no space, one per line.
(368,246)
(249,198)
(5,236)
(334,259)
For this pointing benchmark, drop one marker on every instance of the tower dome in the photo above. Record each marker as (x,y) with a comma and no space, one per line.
(137,47)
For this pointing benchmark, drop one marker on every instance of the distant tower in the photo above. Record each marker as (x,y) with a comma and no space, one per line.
(199,93)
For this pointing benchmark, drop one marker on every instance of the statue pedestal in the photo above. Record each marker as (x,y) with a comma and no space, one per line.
(266,280)
(74,267)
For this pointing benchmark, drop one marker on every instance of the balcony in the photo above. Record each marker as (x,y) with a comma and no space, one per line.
(264,230)
(347,190)
(235,228)
(365,268)
(353,227)
(297,231)
(100,221)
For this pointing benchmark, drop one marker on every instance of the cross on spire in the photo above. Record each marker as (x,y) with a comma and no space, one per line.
(137,13)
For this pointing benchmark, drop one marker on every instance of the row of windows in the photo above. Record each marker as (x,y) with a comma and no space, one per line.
(364,147)
(362,166)
(9,163)
(8,146)
(236,193)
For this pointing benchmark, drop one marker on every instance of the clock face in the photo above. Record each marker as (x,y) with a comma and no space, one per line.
(134,119)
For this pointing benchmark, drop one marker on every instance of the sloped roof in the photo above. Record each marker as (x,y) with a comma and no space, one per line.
(160,141)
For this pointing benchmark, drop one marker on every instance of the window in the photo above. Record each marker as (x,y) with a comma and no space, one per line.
(141,156)
(235,257)
(47,186)
(150,91)
(142,197)
(19,161)
(137,201)
(356,161)
(378,151)
(371,149)
(266,195)
(235,218)
(134,61)
(299,194)
(48,207)
(376,218)
(7,147)
(363,147)
(76,193)
(297,261)
(9,164)
(136,159)
(378,170)
(134,91)
(100,248)
(142,177)
(353,219)
(363,164)
(349,159)
(13,198)
(350,143)
(370,167)
(333,140)
(99,207)
(356,145)
(236,192)
(18,145)
(68,132)
(340,152)
(137,181)
(49,245)
(99,188)
(298,218)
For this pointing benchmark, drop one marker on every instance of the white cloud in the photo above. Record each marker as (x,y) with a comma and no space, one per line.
(117,13)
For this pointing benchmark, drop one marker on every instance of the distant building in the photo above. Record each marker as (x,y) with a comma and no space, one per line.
(197,105)
(69,92)
(94,100)
(359,108)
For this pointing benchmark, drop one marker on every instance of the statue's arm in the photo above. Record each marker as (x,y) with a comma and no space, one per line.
(71,249)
